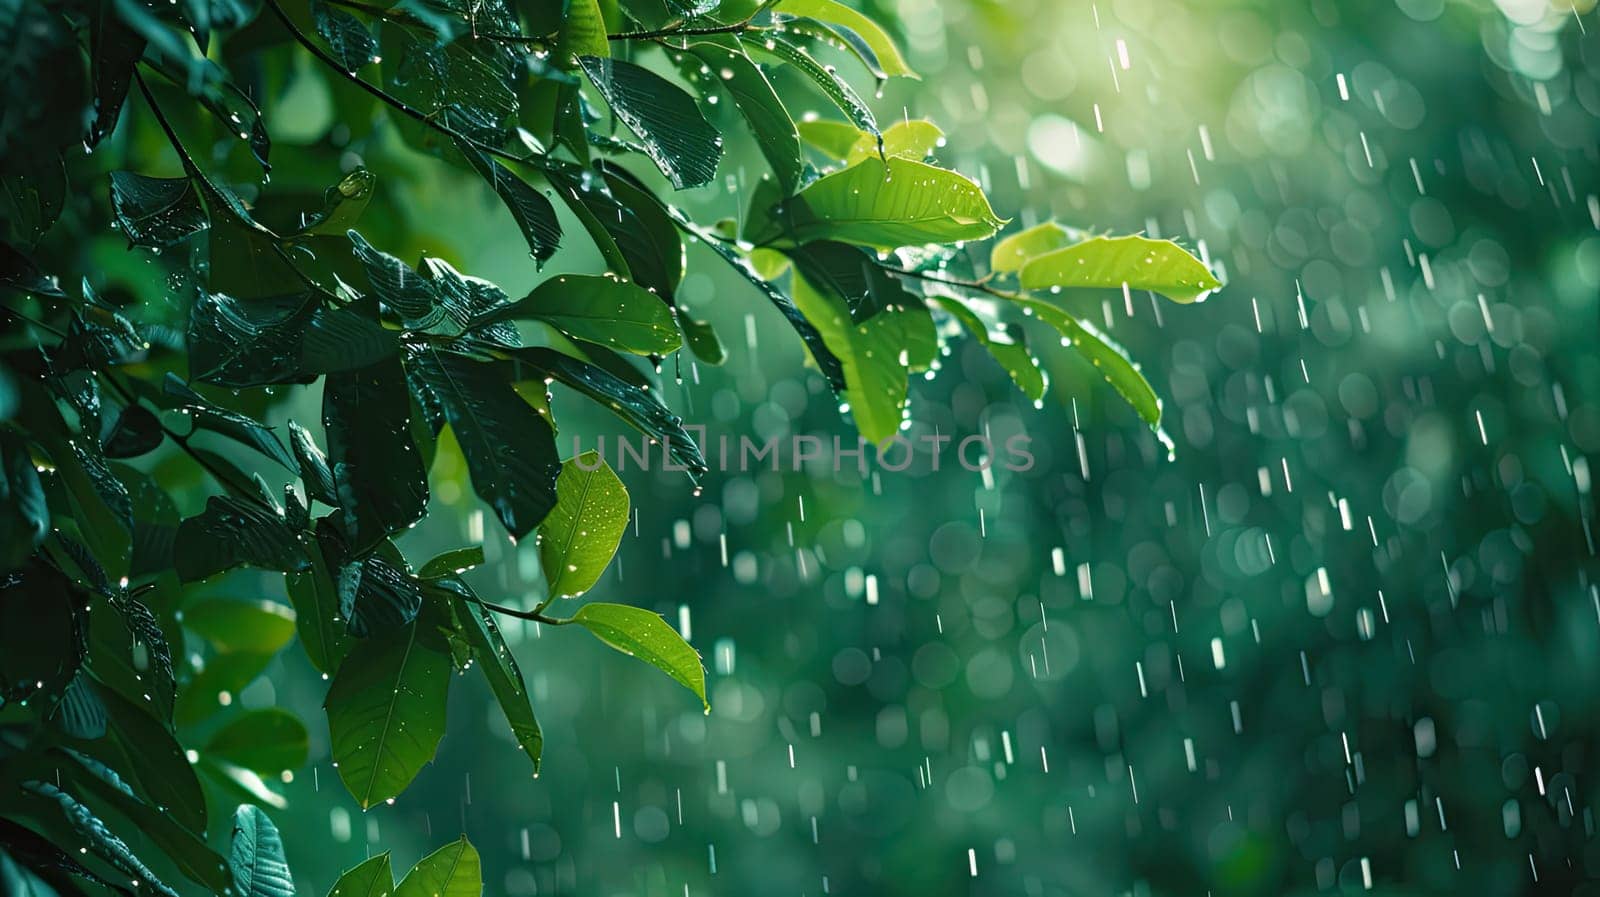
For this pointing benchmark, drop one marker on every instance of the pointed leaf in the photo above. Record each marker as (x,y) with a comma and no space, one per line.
(159,212)
(675,134)
(643,634)
(532,210)
(475,624)
(378,595)
(1013,356)
(1109,358)
(372,878)
(843,17)
(835,88)
(579,538)
(888,205)
(911,139)
(347,37)
(315,597)
(760,105)
(256,856)
(378,475)
(451,871)
(230,532)
(1010,254)
(598,309)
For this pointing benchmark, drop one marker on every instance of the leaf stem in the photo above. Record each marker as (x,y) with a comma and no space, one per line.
(735,28)
(534,615)
(976,286)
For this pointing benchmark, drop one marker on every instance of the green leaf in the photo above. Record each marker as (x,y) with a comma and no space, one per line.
(80,713)
(1010,254)
(24,515)
(216,419)
(343,203)
(638,222)
(347,37)
(583,33)
(378,594)
(378,474)
(386,710)
(476,625)
(451,871)
(221,678)
(843,17)
(638,408)
(908,139)
(534,214)
(1137,263)
(315,597)
(155,760)
(870,352)
(643,634)
(599,309)
(267,741)
(453,562)
(129,652)
(1109,358)
(136,432)
(509,447)
(230,532)
(159,212)
(888,205)
(262,627)
(702,339)
(312,465)
(667,120)
(1008,350)
(256,856)
(760,105)
(372,878)
(579,538)
(835,88)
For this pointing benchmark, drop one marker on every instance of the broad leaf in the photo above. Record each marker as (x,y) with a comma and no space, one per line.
(909,139)
(451,871)
(378,473)
(534,214)
(579,538)
(643,634)
(93,835)
(216,419)
(315,596)
(760,105)
(598,309)
(129,652)
(509,447)
(222,677)
(675,134)
(836,139)
(342,205)
(887,205)
(854,275)
(386,710)
(267,741)
(136,432)
(347,37)
(453,562)
(1006,349)
(378,595)
(152,757)
(1137,263)
(1010,254)
(256,856)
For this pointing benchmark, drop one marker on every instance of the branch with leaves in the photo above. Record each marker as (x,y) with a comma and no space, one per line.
(259,293)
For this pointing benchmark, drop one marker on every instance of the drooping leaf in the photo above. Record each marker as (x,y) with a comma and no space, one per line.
(453,562)
(315,597)
(875,374)
(835,88)
(386,710)
(80,713)
(114,49)
(159,212)
(702,339)
(1005,347)
(1139,263)
(373,877)
(632,404)
(854,275)
(476,625)
(312,465)
(643,634)
(534,214)
(378,474)
(263,627)
(675,134)
(268,741)
(342,204)
(760,105)
(136,432)
(579,538)
(509,447)
(256,856)
(643,230)
(230,532)
(451,871)
(887,205)
(1109,358)
(216,419)
(848,21)
(597,309)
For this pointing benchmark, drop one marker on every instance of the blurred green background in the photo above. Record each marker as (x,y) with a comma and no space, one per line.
(1347,639)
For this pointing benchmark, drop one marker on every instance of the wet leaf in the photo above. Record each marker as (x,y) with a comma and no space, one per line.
(255,856)
(597,309)
(378,474)
(475,624)
(1110,359)
(643,634)
(371,878)
(887,205)
(230,532)
(451,871)
(1139,263)
(579,538)
(676,135)
(160,212)
(267,741)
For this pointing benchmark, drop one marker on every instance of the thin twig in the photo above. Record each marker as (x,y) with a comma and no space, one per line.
(977,286)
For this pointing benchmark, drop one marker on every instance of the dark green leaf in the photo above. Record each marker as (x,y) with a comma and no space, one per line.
(80,714)
(451,871)
(230,532)
(313,466)
(216,419)
(1006,347)
(136,432)
(378,475)
(283,339)
(41,639)
(95,836)
(128,652)
(159,212)
(24,515)
(315,596)
(532,210)
(854,275)
(835,88)
(676,135)
(155,761)
(452,562)
(348,39)
(509,447)
(378,595)
(222,677)
(760,105)
(476,625)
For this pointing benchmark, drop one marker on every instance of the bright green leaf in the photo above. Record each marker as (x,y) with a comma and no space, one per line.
(598,309)
(1109,358)
(885,206)
(458,560)
(372,878)
(1138,263)
(643,634)
(579,538)
(837,14)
